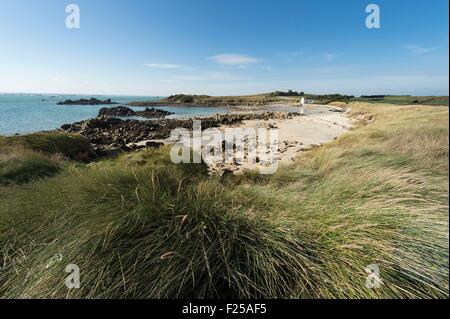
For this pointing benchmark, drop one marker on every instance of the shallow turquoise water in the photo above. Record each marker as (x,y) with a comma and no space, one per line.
(27,113)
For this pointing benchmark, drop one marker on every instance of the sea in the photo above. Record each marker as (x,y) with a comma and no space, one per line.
(29,113)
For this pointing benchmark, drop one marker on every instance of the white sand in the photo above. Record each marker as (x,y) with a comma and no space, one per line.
(305,132)
(319,125)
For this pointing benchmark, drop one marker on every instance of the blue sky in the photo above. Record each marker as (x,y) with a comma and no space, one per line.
(224,47)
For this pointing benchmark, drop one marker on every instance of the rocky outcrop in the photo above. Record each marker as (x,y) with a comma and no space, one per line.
(123,111)
(110,135)
(210,101)
(153,113)
(116,111)
(155,103)
(337,110)
(91,101)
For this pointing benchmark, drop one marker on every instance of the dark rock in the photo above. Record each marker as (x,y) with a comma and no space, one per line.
(154,144)
(227,172)
(124,111)
(109,135)
(116,111)
(91,101)
(337,110)
(153,113)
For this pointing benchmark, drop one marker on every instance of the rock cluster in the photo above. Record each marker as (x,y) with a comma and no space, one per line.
(111,135)
(154,103)
(124,111)
(116,111)
(91,101)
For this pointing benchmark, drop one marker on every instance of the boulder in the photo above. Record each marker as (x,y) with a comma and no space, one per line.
(116,111)
(91,101)
(124,111)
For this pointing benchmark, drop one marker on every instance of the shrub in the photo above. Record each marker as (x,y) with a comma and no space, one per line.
(71,146)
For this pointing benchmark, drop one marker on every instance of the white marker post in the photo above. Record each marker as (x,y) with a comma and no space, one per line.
(302,102)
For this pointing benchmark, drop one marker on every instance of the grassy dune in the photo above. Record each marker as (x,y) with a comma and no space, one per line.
(407,100)
(29,157)
(276,98)
(139,226)
(206,100)
(246,100)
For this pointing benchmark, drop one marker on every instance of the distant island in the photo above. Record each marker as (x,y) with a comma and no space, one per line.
(212,101)
(369,174)
(91,101)
(289,97)
(123,111)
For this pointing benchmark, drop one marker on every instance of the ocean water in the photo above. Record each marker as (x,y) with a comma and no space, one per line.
(28,113)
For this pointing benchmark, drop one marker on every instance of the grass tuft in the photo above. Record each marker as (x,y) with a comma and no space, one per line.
(141,227)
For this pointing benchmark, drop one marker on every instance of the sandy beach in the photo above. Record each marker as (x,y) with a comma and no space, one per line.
(318,125)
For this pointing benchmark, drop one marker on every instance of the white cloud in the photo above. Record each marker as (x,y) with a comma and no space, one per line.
(165,66)
(329,56)
(231,59)
(420,49)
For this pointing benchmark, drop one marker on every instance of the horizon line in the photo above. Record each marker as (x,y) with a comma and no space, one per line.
(165,95)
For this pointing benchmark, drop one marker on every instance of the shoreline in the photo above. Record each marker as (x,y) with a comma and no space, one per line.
(297,132)
(111,134)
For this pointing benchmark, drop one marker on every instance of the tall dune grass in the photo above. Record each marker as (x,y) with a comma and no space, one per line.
(142,227)
(27,158)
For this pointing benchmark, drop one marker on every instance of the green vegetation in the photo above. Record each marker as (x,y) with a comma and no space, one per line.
(277,97)
(253,100)
(330,98)
(404,99)
(141,227)
(21,166)
(26,158)
(292,97)
(288,93)
(70,146)
(184,98)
